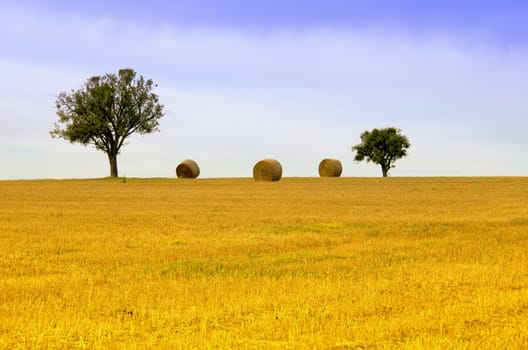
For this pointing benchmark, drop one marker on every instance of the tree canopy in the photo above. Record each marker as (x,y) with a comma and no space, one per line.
(106,111)
(383,147)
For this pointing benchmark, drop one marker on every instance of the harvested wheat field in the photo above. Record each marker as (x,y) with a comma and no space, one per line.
(304,263)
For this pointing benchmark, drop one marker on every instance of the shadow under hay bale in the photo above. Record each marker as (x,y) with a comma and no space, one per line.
(188,169)
(267,170)
(330,168)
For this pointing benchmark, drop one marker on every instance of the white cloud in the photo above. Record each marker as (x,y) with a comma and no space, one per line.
(232,98)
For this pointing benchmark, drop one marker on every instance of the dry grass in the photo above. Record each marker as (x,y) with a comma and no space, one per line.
(428,263)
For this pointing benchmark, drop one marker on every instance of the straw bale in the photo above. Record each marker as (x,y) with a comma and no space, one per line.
(267,170)
(188,169)
(330,168)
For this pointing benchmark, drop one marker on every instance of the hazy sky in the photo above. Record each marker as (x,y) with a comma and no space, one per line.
(295,80)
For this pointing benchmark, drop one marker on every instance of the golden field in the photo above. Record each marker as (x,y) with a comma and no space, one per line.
(305,263)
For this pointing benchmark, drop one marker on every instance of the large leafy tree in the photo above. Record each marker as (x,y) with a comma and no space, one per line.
(106,110)
(383,147)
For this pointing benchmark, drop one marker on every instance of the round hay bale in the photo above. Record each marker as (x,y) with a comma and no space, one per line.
(330,168)
(188,169)
(267,170)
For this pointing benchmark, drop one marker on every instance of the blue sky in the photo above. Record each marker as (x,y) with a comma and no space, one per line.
(294,80)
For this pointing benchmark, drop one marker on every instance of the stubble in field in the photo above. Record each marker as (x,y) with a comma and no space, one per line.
(300,264)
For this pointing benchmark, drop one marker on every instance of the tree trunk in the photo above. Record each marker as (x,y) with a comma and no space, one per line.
(385,170)
(113,164)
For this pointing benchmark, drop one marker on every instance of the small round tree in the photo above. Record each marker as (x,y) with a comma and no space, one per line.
(106,110)
(383,147)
